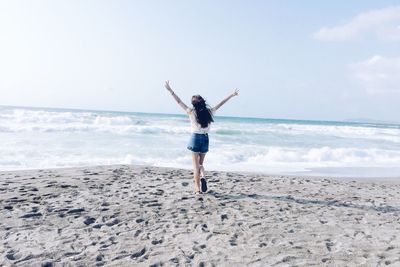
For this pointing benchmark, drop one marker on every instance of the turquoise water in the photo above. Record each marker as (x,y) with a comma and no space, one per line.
(44,138)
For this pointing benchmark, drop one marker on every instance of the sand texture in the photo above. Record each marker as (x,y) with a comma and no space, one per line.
(147,216)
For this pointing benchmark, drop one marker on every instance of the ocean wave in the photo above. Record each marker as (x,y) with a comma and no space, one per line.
(343,131)
(328,156)
(85,128)
(21,116)
(309,131)
(279,159)
(26,120)
(37,139)
(21,121)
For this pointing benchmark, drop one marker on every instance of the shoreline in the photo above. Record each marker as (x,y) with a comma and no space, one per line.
(390,179)
(141,215)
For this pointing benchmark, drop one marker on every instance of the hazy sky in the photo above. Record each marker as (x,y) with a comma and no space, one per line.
(290,59)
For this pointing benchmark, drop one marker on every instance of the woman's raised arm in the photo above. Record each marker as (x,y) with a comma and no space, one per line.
(177,99)
(235,93)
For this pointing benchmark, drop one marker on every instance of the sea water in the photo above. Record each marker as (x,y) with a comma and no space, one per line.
(33,138)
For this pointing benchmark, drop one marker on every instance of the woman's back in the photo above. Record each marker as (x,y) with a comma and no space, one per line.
(196,127)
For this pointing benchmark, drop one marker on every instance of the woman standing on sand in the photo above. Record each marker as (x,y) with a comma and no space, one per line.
(200,116)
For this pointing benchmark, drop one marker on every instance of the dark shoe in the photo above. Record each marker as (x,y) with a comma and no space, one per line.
(203,185)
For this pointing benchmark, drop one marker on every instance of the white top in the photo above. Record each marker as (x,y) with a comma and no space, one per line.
(195,126)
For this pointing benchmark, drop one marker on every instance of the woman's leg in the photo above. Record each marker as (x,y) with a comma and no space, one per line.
(203,181)
(196,171)
(201,163)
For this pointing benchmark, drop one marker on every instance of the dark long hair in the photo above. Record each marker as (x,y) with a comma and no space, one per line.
(203,113)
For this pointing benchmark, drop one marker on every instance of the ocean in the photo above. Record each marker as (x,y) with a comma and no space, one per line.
(35,138)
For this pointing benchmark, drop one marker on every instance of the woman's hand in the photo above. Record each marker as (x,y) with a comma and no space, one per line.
(167,86)
(236,92)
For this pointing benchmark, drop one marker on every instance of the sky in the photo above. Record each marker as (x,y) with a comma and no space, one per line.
(320,60)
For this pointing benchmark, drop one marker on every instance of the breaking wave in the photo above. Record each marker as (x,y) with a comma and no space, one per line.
(44,138)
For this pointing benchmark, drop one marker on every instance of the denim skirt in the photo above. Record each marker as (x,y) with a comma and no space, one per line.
(198,143)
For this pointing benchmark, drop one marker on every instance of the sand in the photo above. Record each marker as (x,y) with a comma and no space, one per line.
(146,216)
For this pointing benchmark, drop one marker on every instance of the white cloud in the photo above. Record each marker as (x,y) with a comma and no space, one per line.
(383,24)
(378,74)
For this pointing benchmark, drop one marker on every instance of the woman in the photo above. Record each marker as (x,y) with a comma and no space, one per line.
(201,117)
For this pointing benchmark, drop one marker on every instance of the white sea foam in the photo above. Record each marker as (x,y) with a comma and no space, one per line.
(362,132)
(44,138)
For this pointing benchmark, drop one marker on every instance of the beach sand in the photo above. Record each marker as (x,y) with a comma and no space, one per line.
(147,216)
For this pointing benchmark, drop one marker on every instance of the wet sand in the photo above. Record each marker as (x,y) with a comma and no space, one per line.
(147,216)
